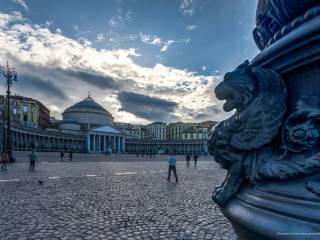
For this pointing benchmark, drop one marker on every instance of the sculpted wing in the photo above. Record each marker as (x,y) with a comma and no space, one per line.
(260,122)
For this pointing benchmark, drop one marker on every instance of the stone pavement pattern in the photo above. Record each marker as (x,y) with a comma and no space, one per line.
(111,200)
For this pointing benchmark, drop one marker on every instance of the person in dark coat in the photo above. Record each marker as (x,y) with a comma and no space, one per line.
(32,159)
(4,160)
(172,160)
(70,156)
(195,159)
(61,155)
(188,157)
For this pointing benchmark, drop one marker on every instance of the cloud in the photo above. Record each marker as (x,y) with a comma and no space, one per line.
(150,108)
(96,79)
(70,68)
(120,19)
(37,86)
(191,27)
(187,7)
(100,37)
(157,41)
(58,31)
(22,3)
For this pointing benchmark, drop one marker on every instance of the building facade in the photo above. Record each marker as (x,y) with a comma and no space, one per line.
(26,138)
(134,131)
(105,140)
(44,116)
(186,131)
(136,146)
(27,112)
(157,130)
(86,127)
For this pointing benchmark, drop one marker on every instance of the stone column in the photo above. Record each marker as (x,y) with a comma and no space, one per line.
(94,143)
(88,142)
(105,143)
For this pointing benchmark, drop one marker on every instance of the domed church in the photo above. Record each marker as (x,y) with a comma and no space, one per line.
(90,118)
(86,113)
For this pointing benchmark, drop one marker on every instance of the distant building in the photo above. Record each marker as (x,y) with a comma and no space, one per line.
(90,118)
(186,131)
(208,124)
(198,146)
(86,127)
(132,131)
(157,130)
(44,116)
(28,112)
(87,114)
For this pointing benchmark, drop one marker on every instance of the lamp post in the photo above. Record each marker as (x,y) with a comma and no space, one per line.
(10,75)
(2,113)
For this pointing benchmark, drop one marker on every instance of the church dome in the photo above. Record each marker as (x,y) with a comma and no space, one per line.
(88,114)
(87,104)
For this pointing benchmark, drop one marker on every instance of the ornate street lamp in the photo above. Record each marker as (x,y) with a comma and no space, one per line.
(10,75)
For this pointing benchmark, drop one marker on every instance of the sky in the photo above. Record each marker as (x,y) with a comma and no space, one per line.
(143,60)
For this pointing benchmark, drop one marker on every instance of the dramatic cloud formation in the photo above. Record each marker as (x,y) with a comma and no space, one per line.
(147,107)
(61,71)
(35,85)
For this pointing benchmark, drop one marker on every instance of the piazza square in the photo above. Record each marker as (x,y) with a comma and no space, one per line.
(110,197)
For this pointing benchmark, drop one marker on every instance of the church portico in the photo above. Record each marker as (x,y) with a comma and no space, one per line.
(105,140)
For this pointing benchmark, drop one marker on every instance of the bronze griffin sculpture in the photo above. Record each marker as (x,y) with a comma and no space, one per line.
(242,143)
(258,97)
(270,146)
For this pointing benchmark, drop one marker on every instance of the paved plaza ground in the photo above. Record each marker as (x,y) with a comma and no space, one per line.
(113,197)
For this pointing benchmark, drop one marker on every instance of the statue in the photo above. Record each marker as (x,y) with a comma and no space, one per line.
(259,97)
(270,146)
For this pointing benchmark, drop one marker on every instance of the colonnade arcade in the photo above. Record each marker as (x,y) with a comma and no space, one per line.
(43,140)
(163,146)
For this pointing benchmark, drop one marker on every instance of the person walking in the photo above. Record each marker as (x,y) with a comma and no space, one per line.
(172,160)
(195,159)
(4,160)
(61,155)
(32,159)
(70,156)
(188,157)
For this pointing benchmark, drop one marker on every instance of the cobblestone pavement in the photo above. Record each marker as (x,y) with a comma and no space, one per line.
(110,200)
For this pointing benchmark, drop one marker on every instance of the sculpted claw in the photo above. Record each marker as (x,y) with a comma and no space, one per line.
(221,196)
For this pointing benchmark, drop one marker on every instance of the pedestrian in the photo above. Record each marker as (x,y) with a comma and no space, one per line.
(70,156)
(195,159)
(188,157)
(172,160)
(4,160)
(32,159)
(61,155)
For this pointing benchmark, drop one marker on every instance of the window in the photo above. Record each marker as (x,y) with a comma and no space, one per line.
(25,108)
(14,110)
(25,113)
